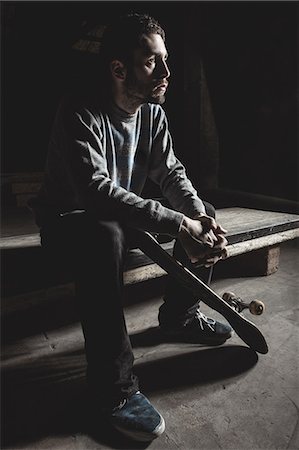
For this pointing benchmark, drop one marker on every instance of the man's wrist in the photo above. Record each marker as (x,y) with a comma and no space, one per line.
(183,225)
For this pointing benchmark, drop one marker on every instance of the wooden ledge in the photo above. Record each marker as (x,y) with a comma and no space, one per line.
(249,231)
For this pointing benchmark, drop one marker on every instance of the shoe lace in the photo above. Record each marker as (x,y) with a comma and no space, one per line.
(204,320)
(122,403)
(119,406)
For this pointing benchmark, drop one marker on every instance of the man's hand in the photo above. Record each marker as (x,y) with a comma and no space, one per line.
(203,240)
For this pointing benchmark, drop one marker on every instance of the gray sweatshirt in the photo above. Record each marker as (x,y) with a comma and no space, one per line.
(98,160)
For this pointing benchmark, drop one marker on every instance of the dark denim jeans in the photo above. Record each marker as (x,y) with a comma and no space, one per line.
(179,303)
(95,252)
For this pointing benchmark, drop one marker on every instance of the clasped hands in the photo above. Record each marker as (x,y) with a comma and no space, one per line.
(203,240)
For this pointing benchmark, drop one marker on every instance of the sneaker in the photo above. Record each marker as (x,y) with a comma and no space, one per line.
(138,419)
(200,330)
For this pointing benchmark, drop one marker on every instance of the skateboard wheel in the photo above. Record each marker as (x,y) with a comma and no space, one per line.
(256,307)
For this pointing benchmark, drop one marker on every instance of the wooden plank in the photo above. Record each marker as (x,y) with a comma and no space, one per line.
(238,221)
(244,223)
(265,241)
(143,274)
(149,271)
(143,270)
(22,241)
(18,236)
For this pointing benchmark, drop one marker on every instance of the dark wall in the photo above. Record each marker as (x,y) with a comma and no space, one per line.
(249,53)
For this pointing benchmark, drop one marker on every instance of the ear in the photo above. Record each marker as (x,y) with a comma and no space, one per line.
(118,69)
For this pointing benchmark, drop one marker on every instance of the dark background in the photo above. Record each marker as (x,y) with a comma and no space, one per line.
(249,54)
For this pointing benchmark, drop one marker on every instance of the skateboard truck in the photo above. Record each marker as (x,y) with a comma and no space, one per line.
(256,307)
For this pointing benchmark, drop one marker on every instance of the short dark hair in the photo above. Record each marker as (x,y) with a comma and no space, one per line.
(123,36)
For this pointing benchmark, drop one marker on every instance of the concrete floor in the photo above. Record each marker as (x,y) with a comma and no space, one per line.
(223,397)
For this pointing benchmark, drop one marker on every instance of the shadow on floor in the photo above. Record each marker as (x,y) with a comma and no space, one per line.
(47,396)
(197,367)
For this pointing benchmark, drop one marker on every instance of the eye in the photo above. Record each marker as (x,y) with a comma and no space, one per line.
(151,61)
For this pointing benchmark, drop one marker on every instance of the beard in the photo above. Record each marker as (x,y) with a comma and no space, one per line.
(142,92)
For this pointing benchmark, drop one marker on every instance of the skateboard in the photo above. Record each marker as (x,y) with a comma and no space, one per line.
(244,328)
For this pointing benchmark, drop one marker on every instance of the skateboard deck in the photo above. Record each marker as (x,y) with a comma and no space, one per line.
(244,328)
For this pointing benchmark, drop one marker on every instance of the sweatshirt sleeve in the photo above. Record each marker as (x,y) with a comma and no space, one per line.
(169,173)
(84,156)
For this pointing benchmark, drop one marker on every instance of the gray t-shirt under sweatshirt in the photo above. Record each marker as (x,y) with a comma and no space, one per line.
(99,159)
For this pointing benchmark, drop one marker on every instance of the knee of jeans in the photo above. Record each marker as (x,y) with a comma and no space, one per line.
(111,234)
(210,210)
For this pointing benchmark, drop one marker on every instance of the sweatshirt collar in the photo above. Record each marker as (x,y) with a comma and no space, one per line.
(121,115)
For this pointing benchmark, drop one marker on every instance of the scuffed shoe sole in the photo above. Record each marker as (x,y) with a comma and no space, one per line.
(142,436)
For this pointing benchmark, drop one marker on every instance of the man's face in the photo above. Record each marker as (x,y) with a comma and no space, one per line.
(146,80)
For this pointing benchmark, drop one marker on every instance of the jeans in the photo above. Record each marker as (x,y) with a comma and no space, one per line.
(95,252)
(180,304)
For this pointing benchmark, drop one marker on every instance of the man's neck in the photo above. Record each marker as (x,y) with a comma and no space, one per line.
(129,105)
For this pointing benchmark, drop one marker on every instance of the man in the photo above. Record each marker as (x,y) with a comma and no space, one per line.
(105,142)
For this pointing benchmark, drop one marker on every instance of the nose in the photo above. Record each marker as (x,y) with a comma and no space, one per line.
(163,70)
(167,71)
